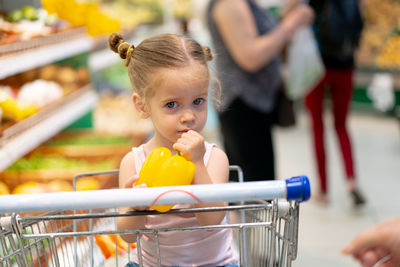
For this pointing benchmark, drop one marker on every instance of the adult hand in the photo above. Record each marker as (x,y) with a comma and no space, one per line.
(376,243)
(299,16)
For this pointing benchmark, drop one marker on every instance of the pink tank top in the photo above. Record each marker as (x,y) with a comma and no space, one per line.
(184,248)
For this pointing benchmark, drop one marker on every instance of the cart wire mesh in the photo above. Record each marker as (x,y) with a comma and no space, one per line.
(264,230)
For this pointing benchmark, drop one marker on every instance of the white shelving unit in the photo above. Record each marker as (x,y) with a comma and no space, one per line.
(26,140)
(29,59)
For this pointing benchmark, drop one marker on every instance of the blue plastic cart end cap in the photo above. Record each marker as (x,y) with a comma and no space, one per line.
(298,188)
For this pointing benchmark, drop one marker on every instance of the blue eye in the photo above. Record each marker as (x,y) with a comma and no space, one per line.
(171,105)
(198,101)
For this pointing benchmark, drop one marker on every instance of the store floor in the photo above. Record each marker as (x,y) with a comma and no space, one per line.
(324,230)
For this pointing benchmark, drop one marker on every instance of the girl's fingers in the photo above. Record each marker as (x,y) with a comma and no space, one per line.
(140,186)
(131,181)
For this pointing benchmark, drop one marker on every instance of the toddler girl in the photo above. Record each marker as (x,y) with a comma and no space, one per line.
(170,78)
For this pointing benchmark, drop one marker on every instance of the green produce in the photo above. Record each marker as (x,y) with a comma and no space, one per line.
(91,140)
(15,16)
(29,13)
(37,162)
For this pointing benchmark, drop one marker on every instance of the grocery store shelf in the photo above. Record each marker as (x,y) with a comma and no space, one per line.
(61,115)
(42,55)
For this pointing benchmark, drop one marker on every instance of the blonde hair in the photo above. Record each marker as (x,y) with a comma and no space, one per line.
(160,51)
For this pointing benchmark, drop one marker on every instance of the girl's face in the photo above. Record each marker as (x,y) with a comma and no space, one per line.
(179,102)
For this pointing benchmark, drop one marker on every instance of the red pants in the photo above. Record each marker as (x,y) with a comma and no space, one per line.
(340,84)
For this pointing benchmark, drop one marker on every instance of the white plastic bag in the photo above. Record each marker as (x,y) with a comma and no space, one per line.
(381,92)
(304,64)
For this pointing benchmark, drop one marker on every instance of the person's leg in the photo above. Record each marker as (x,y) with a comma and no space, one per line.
(248,141)
(342,91)
(314,103)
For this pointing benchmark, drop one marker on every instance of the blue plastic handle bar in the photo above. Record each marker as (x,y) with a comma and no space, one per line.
(298,188)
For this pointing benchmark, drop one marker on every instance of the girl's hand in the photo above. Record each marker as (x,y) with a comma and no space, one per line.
(131,181)
(131,184)
(191,146)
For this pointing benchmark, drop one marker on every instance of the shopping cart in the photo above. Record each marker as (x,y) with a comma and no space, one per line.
(264,218)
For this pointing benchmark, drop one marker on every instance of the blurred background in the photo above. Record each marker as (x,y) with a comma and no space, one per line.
(65,108)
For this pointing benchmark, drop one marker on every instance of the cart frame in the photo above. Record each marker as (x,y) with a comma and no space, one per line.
(266,233)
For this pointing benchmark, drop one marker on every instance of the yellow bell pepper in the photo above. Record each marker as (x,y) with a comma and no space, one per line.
(14,109)
(163,169)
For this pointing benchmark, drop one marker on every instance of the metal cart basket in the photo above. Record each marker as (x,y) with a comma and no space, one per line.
(263,216)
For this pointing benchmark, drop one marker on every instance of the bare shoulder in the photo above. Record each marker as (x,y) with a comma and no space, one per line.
(230,4)
(219,154)
(127,168)
(231,8)
(218,166)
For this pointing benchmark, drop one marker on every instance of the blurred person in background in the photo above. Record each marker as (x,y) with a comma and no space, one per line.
(248,41)
(377,244)
(338,25)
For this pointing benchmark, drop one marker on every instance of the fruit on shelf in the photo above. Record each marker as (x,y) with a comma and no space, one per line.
(380,19)
(40,93)
(59,186)
(14,109)
(26,13)
(390,55)
(80,14)
(4,190)
(15,16)
(87,183)
(134,12)
(30,187)
(34,187)
(38,162)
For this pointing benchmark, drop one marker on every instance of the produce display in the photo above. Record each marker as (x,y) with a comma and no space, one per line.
(115,114)
(27,93)
(83,13)
(182,9)
(88,145)
(40,162)
(27,23)
(44,168)
(52,166)
(380,40)
(4,190)
(135,12)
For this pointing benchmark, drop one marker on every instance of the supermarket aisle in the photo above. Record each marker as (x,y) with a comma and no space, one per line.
(325,230)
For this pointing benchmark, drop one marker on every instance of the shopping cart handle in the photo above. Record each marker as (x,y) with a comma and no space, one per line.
(298,188)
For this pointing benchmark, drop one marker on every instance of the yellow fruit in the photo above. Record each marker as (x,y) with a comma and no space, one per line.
(30,187)
(4,189)
(59,186)
(88,183)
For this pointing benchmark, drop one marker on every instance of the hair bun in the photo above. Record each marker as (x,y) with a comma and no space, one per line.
(118,45)
(114,40)
(207,53)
